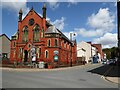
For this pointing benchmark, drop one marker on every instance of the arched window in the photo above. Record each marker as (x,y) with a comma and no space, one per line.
(49,43)
(25,34)
(46,54)
(56,42)
(36,34)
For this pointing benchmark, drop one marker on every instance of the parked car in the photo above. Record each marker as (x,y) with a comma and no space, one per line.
(104,62)
(112,62)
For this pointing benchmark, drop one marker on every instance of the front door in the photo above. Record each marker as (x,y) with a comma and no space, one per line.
(25,56)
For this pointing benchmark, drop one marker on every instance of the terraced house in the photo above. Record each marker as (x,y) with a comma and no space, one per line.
(36,37)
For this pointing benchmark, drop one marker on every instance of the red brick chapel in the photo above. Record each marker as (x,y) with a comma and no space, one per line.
(38,37)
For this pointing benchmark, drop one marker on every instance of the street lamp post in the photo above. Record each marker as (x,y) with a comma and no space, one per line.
(71,49)
(71,46)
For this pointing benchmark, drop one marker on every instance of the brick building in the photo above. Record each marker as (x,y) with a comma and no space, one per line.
(39,38)
(99,49)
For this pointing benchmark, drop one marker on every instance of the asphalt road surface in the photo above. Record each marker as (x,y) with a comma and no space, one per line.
(74,77)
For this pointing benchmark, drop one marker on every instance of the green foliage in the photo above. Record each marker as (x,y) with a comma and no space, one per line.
(111,52)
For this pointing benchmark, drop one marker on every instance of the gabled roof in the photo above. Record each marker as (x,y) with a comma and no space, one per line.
(50,26)
(47,23)
(31,11)
(5,36)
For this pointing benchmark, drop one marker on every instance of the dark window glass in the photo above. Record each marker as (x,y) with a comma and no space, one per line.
(56,43)
(46,54)
(25,34)
(36,34)
(48,43)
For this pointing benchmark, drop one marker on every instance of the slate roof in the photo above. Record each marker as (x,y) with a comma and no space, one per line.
(52,29)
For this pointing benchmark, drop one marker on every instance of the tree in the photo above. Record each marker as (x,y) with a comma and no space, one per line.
(111,52)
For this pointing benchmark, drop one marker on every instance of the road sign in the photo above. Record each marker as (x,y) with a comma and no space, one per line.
(56,58)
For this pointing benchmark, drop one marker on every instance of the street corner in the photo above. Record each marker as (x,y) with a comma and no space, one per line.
(111,75)
(113,79)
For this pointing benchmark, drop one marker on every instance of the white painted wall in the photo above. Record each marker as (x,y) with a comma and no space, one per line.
(94,51)
(86,46)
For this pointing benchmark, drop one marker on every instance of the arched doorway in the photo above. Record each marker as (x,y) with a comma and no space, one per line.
(25,55)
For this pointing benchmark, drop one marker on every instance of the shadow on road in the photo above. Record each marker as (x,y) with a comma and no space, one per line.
(107,70)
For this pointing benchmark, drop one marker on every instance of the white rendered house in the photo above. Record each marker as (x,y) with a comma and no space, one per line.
(84,50)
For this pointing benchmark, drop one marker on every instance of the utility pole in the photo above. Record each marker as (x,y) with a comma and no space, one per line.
(71,50)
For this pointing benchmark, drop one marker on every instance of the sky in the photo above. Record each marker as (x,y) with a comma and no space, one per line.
(90,21)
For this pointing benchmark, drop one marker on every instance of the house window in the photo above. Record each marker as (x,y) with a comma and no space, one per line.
(14,44)
(46,54)
(49,43)
(25,34)
(56,42)
(36,34)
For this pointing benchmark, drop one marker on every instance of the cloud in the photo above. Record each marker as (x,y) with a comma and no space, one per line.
(71,2)
(102,20)
(88,33)
(108,40)
(59,23)
(53,4)
(67,34)
(15,6)
(99,24)
(47,18)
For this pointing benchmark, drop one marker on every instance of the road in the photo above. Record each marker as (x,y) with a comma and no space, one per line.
(74,77)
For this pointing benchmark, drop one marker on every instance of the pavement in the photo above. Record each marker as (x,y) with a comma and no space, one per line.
(43,69)
(113,74)
(113,79)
